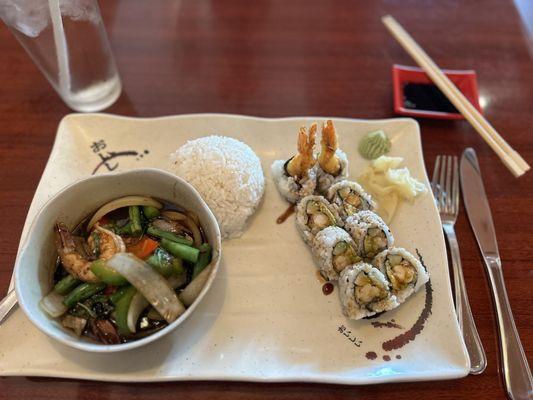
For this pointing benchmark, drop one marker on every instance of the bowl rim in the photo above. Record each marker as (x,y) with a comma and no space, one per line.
(80,344)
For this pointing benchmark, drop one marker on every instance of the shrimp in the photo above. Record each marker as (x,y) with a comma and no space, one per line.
(302,162)
(328,160)
(78,264)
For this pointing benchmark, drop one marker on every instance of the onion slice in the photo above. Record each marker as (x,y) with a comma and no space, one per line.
(139,303)
(137,306)
(193,289)
(197,236)
(149,283)
(52,303)
(122,202)
(189,222)
(174,215)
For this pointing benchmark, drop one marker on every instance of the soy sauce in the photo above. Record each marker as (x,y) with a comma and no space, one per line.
(425,96)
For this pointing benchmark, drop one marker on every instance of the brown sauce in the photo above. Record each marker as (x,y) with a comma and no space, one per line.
(371,355)
(286,214)
(386,358)
(388,324)
(327,288)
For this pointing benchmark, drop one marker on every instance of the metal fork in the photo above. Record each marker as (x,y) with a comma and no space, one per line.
(445,186)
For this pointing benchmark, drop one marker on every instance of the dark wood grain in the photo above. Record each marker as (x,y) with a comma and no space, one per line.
(284,58)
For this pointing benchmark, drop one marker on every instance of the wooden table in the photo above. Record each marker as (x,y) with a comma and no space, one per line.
(286,58)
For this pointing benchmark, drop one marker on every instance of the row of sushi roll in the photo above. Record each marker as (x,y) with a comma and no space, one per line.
(351,243)
(358,252)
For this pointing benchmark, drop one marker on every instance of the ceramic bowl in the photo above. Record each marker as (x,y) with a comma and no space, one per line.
(34,267)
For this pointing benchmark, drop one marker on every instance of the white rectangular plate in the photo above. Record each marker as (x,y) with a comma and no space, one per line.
(265,317)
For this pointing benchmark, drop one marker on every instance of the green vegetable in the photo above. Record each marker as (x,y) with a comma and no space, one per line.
(177,266)
(135,220)
(82,292)
(150,212)
(124,230)
(161,261)
(97,306)
(121,311)
(182,251)
(168,235)
(107,274)
(65,285)
(204,258)
(374,145)
(115,297)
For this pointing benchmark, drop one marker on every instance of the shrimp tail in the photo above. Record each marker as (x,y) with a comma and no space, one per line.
(328,160)
(300,164)
(63,239)
(309,159)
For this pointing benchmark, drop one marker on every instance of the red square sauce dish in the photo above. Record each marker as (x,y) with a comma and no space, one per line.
(415,94)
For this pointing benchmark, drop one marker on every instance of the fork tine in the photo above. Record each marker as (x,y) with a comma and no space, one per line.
(442,183)
(448,188)
(455,208)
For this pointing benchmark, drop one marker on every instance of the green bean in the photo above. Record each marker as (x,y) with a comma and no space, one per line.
(115,297)
(161,261)
(168,235)
(107,274)
(150,212)
(182,251)
(204,258)
(135,219)
(82,292)
(121,311)
(65,285)
(124,230)
(165,264)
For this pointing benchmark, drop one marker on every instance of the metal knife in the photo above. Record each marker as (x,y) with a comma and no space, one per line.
(515,368)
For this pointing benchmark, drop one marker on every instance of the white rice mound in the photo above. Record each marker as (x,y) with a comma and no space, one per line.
(228,175)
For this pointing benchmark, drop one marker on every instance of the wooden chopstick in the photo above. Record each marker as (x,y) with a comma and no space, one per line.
(512,160)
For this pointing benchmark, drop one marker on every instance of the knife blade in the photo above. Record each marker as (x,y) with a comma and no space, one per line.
(514,365)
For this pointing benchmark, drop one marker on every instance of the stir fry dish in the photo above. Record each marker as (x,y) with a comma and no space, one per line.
(128,271)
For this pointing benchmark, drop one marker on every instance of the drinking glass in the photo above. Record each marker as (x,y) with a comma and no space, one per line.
(68,42)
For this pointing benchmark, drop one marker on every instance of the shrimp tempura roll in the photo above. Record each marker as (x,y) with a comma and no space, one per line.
(404,272)
(313,214)
(332,161)
(334,249)
(364,291)
(295,178)
(349,198)
(370,233)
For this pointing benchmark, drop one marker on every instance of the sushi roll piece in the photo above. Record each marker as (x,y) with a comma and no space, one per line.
(295,178)
(349,198)
(364,291)
(370,234)
(334,250)
(313,214)
(403,270)
(332,162)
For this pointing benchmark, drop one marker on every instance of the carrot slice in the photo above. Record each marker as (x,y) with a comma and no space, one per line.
(143,248)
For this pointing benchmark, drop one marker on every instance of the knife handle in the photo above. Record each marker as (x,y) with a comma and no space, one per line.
(515,368)
(474,347)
